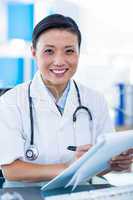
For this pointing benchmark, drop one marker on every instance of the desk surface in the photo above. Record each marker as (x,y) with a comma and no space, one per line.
(34,193)
(30,193)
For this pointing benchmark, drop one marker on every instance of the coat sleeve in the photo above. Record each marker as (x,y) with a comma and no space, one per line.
(11,140)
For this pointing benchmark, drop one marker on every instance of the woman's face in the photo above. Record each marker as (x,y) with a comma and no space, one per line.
(57,55)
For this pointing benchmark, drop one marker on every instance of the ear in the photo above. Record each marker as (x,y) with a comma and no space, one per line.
(33,51)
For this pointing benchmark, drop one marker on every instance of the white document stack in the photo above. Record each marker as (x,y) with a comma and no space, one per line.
(94,161)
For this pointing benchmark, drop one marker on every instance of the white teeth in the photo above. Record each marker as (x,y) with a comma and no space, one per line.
(58,71)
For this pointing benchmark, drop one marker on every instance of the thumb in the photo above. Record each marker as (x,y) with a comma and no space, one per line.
(85,147)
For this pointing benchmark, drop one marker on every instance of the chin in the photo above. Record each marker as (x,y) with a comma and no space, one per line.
(59,82)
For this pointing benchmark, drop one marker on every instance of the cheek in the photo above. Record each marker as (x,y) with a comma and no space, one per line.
(44,62)
(73,62)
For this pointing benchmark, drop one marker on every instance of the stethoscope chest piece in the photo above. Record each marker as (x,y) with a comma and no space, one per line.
(32,152)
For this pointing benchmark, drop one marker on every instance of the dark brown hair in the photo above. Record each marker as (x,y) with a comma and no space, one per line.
(55,21)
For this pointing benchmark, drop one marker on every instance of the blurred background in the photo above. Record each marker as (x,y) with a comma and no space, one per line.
(106,61)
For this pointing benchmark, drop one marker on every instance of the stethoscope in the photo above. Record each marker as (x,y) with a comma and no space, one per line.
(32,151)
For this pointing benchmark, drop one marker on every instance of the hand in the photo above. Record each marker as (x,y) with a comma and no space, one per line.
(122,162)
(81,150)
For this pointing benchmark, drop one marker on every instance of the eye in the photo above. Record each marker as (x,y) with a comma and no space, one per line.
(69,51)
(49,51)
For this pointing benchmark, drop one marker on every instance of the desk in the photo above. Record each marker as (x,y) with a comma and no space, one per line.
(34,193)
(29,193)
(123,128)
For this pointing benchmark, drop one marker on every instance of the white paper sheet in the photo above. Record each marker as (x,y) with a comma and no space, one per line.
(94,161)
(119,178)
(62,179)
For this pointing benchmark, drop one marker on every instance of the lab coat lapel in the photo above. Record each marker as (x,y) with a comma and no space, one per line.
(71,104)
(39,92)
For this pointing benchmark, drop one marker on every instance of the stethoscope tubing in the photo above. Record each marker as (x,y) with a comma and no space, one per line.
(31,116)
(32,150)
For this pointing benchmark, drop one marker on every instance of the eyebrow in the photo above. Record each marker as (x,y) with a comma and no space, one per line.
(49,45)
(70,46)
(52,46)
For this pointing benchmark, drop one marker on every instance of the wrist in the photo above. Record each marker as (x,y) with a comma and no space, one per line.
(70,162)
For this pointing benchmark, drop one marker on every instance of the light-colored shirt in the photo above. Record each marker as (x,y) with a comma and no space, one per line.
(60,103)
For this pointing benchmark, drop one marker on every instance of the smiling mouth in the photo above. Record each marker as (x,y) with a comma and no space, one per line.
(58,71)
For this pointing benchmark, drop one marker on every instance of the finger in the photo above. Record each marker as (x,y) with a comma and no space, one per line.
(129,161)
(122,157)
(124,160)
(116,167)
(85,147)
(79,154)
(124,167)
(125,153)
(130,151)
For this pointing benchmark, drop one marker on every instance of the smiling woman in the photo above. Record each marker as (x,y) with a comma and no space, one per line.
(56,54)
(40,119)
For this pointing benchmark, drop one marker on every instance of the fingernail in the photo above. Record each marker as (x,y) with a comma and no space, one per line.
(113,158)
(124,153)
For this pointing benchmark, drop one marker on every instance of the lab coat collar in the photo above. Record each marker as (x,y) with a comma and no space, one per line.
(38,89)
(40,92)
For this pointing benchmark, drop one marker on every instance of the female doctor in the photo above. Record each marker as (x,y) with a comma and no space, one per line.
(40,119)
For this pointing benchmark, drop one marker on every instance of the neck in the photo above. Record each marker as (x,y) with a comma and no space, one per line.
(56,90)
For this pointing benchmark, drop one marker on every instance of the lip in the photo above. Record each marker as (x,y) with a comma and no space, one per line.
(59,71)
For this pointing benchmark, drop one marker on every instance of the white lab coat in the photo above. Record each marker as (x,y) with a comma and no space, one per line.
(52,132)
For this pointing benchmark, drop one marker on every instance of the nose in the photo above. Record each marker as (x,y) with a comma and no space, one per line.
(59,60)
